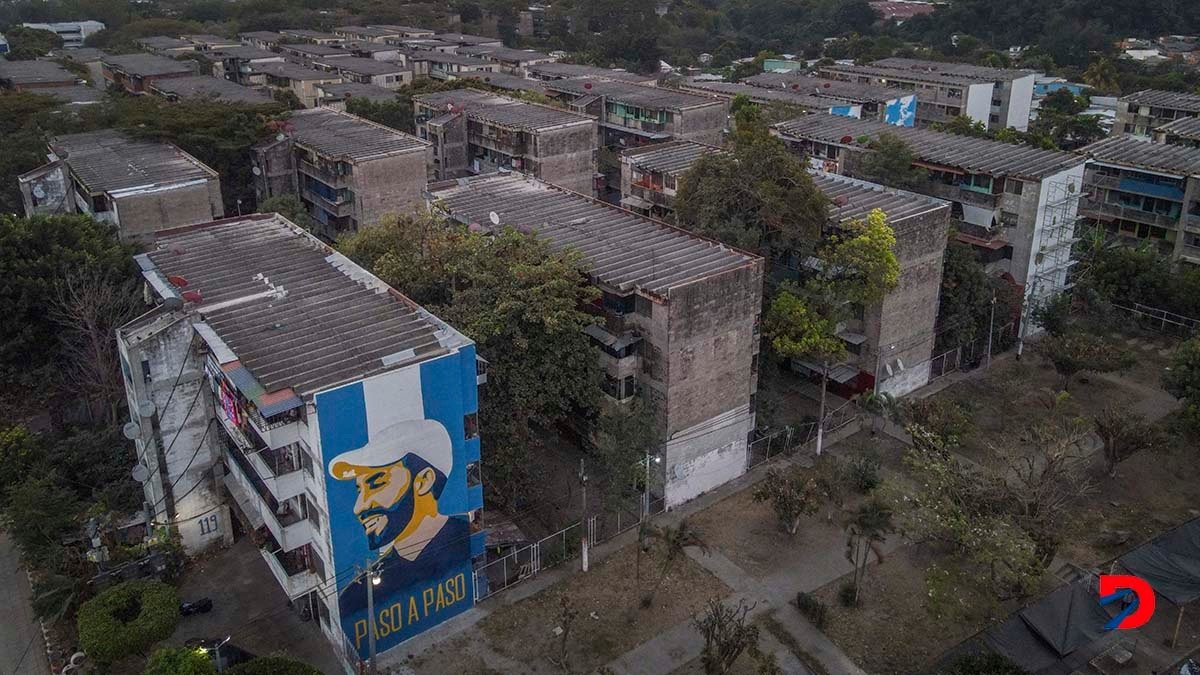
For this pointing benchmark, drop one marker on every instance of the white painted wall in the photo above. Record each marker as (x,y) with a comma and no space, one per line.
(979,102)
(690,471)
(1020,102)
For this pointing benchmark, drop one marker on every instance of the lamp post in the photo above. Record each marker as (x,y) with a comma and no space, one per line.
(217,652)
(374,578)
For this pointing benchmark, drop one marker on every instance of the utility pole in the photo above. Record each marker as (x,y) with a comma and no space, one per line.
(583,517)
(372,580)
(646,489)
(991,329)
(821,415)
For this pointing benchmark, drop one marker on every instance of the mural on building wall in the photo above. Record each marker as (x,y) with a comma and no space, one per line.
(854,111)
(396,480)
(901,112)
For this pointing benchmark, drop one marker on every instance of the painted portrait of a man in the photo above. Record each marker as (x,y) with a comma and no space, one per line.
(399,476)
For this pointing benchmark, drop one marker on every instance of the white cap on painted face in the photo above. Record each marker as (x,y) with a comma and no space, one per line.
(427,439)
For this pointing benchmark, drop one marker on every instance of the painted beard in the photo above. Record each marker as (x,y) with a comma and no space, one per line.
(396,518)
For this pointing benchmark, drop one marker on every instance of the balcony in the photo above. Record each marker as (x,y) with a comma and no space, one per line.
(297,572)
(323,174)
(652,195)
(284,471)
(1135,186)
(277,432)
(964,195)
(335,209)
(1101,211)
(288,521)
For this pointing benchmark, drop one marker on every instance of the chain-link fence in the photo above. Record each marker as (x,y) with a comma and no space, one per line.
(1160,320)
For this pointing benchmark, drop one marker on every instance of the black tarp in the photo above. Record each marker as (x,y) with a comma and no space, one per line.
(1170,563)
(1017,642)
(1068,618)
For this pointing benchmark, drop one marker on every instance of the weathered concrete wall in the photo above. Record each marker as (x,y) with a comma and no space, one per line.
(705,125)
(567,157)
(276,162)
(393,184)
(901,329)
(142,214)
(450,154)
(162,367)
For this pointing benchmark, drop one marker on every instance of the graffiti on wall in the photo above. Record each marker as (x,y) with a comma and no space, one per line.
(396,481)
(901,112)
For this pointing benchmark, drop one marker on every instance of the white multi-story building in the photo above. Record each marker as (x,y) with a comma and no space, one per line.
(73,33)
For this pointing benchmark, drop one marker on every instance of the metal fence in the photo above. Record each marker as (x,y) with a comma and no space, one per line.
(556,549)
(1160,320)
(972,354)
(789,439)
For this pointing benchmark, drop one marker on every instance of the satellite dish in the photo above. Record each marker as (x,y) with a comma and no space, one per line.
(39,191)
(131,430)
(281,136)
(494,217)
(146,408)
(256,171)
(140,473)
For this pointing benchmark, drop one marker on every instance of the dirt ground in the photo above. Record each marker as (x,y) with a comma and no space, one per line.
(610,621)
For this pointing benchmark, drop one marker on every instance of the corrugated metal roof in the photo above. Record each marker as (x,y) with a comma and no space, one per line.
(1158,98)
(642,96)
(973,155)
(827,88)
(979,73)
(108,160)
(569,70)
(143,65)
(73,94)
(501,110)
(338,134)
(621,249)
(33,72)
(164,42)
(295,313)
(853,199)
(505,81)
(361,66)
(672,157)
(202,86)
(369,92)
(293,71)
(1141,153)
(494,53)
(764,95)
(1185,127)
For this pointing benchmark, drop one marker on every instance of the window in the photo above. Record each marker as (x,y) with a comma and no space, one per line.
(145,370)
(994,119)
(618,304)
(1013,186)
(474,474)
(471,423)
(996,103)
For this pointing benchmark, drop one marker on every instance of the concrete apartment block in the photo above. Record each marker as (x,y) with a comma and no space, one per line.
(478,132)
(680,317)
(348,171)
(1140,113)
(138,186)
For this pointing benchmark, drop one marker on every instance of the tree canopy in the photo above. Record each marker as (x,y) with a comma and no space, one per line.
(890,162)
(25,44)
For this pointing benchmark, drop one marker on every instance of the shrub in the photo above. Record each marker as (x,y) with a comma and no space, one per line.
(126,619)
(847,593)
(982,664)
(863,472)
(179,661)
(273,665)
(813,609)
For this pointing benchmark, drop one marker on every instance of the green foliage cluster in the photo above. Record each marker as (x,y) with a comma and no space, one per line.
(26,44)
(1182,380)
(1128,275)
(890,162)
(982,664)
(273,665)
(398,112)
(180,661)
(624,436)
(965,303)
(521,304)
(1077,352)
(792,495)
(949,420)
(813,609)
(127,619)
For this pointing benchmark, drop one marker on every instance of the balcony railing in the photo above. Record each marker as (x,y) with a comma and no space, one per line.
(338,209)
(958,193)
(1132,185)
(1103,211)
(288,521)
(323,174)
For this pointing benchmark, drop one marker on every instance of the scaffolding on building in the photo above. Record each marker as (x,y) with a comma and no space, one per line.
(1053,258)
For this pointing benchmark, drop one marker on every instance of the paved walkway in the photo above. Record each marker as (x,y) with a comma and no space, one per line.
(22,649)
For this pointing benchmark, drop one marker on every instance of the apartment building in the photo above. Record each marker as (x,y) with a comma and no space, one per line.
(165,46)
(407,31)
(374,50)
(315,37)
(271,375)
(348,172)
(466,40)
(680,316)
(137,186)
(995,97)
(1145,191)
(262,39)
(369,33)
(385,74)
(337,95)
(236,64)
(903,324)
(886,104)
(1183,131)
(423,44)
(208,88)
(900,111)
(206,42)
(476,132)
(1140,113)
(512,61)
(1018,205)
(443,66)
(91,59)
(33,75)
(563,71)
(287,76)
(307,53)
(632,114)
(73,33)
(135,73)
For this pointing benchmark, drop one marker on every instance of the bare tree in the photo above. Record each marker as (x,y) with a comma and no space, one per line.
(566,616)
(1123,433)
(89,305)
(726,635)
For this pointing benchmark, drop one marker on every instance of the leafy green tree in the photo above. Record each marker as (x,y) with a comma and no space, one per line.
(39,512)
(965,303)
(398,113)
(1182,380)
(26,44)
(865,534)
(759,196)
(792,495)
(180,661)
(627,437)
(36,254)
(522,304)
(890,162)
(127,619)
(1054,314)
(273,665)
(290,207)
(1077,352)
(1101,75)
